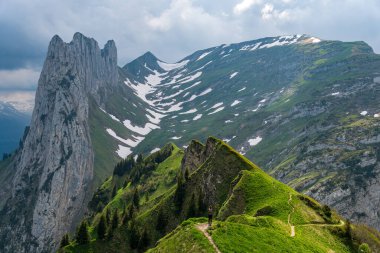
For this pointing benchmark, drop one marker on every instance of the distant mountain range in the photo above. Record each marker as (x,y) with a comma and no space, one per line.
(12,126)
(304,109)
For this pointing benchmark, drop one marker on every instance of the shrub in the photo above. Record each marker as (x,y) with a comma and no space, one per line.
(364,248)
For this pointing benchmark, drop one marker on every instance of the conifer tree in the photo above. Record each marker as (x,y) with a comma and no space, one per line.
(180,191)
(133,235)
(102,228)
(143,241)
(202,208)
(83,236)
(131,212)
(124,216)
(187,174)
(139,159)
(114,190)
(115,220)
(136,199)
(162,221)
(65,241)
(108,216)
(192,208)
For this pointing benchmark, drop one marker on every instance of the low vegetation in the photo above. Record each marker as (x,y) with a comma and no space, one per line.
(152,204)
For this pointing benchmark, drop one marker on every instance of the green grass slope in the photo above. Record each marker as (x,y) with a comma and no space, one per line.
(253,211)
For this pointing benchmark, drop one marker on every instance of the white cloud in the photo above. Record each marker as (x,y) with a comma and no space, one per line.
(19,79)
(21,100)
(268,12)
(172,29)
(245,5)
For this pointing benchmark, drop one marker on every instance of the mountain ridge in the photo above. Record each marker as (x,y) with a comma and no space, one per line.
(241,194)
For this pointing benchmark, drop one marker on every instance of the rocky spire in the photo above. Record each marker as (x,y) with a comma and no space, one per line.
(54,169)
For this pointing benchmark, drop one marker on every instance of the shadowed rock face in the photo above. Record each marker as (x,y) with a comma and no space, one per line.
(54,169)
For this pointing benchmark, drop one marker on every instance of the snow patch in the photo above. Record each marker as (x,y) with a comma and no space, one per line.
(228,121)
(170,66)
(282,41)
(376,115)
(315,40)
(189,111)
(176,137)
(129,142)
(217,110)
(114,135)
(205,92)
(191,78)
(216,105)
(140,130)
(203,55)
(251,47)
(255,141)
(233,75)
(193,85)
(335,93)
(236,102)
(123,151)
(228,140)
(155,150)
(364,113)
(197,117)
(112,116)
(156,119)
(242,89)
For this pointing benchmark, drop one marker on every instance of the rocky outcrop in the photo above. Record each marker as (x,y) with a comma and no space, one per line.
(54,169)
(196,154)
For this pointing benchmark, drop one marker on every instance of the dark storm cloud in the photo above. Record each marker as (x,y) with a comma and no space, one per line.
(17,50)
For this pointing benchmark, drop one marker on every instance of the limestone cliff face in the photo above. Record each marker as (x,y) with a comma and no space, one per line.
(54,169)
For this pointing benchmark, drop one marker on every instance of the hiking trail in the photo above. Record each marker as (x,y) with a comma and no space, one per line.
(292,228)
(203,228)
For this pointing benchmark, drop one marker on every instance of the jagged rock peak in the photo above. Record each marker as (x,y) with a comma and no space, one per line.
(82,57)
(57,152)
(197,153)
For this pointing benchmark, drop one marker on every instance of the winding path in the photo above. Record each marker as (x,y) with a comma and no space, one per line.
(203,228)
(292,229)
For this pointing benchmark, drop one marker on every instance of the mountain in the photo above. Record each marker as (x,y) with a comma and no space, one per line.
(304,109)
(51,176)
(12,126)
(253,211)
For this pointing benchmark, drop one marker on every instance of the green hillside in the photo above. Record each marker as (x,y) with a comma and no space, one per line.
(153,203)
(305,110)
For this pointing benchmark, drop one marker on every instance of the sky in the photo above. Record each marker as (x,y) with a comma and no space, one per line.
(171,29)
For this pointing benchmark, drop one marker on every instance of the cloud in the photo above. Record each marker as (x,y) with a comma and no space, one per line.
(23,101)
(268,12)
(20,79)
(245,5)
(173,29)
